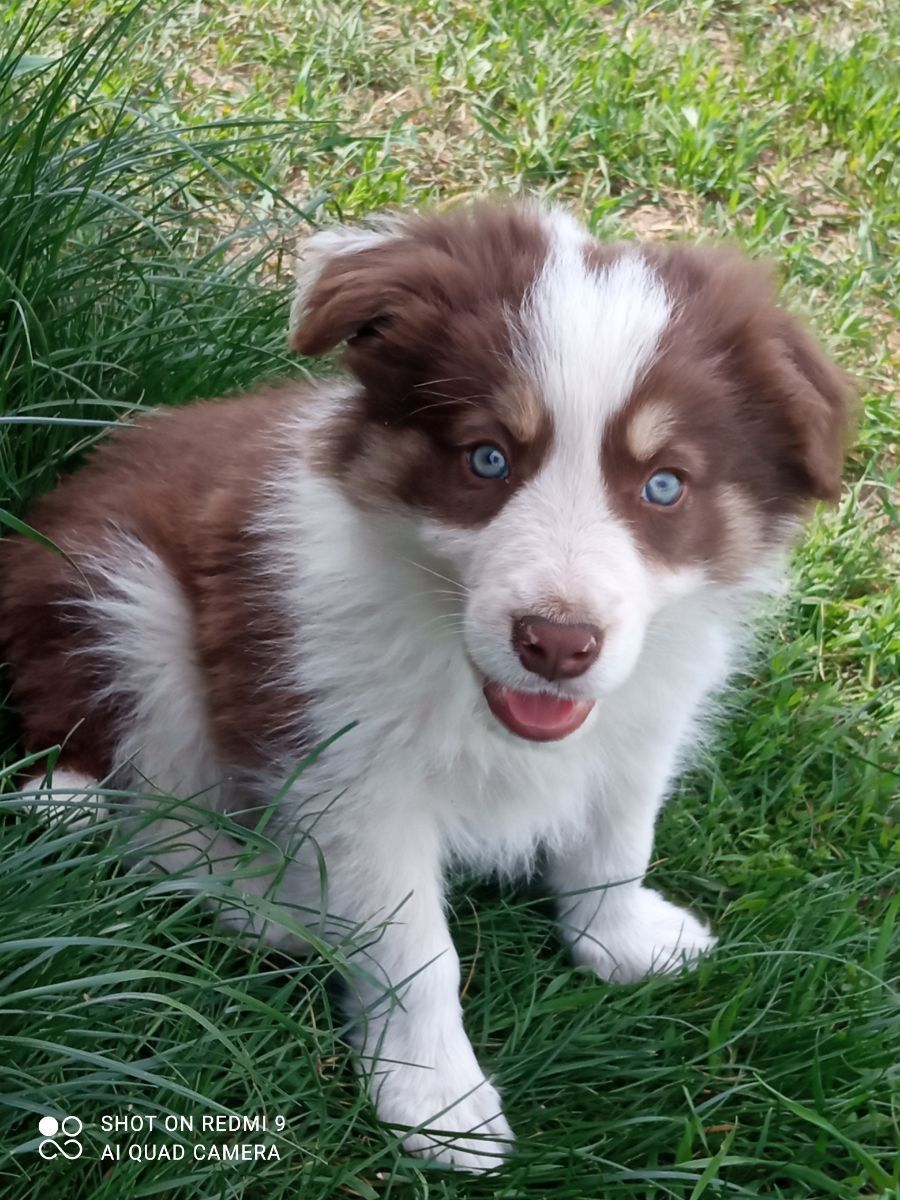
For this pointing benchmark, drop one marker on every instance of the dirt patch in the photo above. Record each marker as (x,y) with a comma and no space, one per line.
(678,214)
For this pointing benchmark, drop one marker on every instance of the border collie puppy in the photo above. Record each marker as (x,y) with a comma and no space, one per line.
(516,547)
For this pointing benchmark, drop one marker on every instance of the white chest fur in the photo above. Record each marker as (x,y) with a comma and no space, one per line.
(378,643)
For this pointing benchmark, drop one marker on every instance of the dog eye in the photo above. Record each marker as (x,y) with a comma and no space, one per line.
(663,487)
(488,462)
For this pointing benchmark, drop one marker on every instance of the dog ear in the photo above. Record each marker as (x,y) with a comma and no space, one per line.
(339,287)
(794,402)
(404,291)
(818,399)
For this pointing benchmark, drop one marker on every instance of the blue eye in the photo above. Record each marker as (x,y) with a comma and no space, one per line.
(663,487)
(488,462)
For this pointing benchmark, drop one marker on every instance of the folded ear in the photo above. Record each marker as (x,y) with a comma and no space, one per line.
(795,404)
(819,399)
(337,292)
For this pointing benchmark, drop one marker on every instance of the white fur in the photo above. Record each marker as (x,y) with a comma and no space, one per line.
(164,748)
(590,335)
(63,797)
(392,612)
(145,637)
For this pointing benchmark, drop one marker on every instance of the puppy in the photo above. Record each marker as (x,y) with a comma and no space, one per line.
(515,549)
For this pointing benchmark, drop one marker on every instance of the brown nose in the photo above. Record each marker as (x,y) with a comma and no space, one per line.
(555,649)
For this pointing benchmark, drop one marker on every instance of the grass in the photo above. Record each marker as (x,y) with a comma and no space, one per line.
(153,167)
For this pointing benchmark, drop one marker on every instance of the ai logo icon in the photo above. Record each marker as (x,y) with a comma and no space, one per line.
(60,1138)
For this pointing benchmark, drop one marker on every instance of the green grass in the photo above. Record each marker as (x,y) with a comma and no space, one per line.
(153,167)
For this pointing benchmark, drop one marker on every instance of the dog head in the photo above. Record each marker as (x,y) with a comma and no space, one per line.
(584,432)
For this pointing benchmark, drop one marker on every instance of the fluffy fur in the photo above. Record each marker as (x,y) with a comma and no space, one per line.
(254,574)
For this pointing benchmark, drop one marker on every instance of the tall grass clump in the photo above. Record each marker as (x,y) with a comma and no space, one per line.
(131,251)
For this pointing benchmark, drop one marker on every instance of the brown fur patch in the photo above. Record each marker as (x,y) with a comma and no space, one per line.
(188,485)
(430,317)
(758,417)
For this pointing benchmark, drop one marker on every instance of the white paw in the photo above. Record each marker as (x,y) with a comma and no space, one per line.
(649,937)
(457,1114)
(67,798)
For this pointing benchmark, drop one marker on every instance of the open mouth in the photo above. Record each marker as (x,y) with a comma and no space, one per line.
(539,718)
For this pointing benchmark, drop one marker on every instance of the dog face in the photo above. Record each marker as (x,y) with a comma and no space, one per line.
(583,433)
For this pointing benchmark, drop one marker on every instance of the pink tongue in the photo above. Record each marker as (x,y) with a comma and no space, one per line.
(540,712)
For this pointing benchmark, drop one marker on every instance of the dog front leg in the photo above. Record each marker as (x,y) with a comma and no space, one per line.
(403,992)
(612,922)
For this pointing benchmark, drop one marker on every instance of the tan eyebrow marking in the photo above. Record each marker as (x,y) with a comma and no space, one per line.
(649,429)
(519,407)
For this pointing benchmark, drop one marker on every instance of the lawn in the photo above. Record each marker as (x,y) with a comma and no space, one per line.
(155,166)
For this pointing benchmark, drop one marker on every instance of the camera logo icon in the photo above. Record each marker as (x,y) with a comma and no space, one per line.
(60,1138)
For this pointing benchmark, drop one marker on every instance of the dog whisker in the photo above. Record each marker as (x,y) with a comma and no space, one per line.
(463,590)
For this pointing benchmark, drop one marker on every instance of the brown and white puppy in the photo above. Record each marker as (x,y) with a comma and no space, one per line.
(517,546)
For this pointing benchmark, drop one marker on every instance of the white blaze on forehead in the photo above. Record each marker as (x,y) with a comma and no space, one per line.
(589,335)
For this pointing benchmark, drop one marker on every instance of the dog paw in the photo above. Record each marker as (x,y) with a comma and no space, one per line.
(457,1117)
(652,937)
(66,800)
